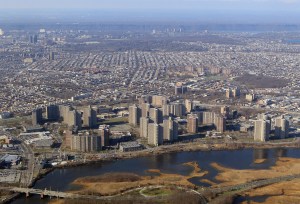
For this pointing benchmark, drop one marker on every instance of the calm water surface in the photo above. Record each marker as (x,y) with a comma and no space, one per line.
(61,179)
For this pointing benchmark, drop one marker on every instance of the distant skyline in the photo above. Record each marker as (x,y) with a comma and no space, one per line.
(218,11)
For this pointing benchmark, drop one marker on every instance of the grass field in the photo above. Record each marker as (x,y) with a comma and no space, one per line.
(156,192)
(113,121)
(12,122)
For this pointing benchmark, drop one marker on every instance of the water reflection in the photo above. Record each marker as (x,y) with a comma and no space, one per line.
(260,154)
(281,152)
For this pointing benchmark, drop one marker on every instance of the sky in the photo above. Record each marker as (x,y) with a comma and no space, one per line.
(272,11)
(150,4)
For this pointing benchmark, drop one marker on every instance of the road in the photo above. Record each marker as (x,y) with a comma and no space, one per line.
(254,184)
(29,155)
(58,194)
(220,190)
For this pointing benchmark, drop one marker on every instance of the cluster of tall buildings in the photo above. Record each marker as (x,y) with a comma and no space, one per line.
(233,92)
(218,121)
(262,128)
(87,141)
(180,89)
(156,124)
(175,109)
(157,107)
(33,39)
(87,117)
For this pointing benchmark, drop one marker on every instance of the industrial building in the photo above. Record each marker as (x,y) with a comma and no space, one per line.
(9,160)
(130,146)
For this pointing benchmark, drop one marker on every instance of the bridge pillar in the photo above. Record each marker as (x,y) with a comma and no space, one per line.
(42,195)
(27,194)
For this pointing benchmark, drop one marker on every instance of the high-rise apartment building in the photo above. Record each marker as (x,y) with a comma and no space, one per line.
(156,115)
(52,112)
(134,115)
(155,134)
(192,123)
(225,111)
(236,92)
(145,99)
(64,110)
(262,130)
(166,110)
(281,127)
(145,109)
(188,105)
(89,117)
(229,93)
(73,118)
(180,89)
(144,122)
(159,101)
(104,133)
(208,118)
(262,116)
(170,128)
(220,123)
(86,143)
(177,109)
(37,116)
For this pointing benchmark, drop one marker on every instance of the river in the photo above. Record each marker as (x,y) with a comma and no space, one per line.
(61,179)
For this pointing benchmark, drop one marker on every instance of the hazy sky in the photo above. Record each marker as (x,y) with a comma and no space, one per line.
(234,10)
(152,4)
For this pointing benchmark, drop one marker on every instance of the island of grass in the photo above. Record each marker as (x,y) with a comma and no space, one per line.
(116,183)
(163,188)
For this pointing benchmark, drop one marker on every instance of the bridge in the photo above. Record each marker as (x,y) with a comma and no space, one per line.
(58,194)
(50,193)
(220,190)
(253,184)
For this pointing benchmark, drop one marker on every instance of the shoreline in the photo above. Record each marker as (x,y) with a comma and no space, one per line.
(186,147)
(175,148)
